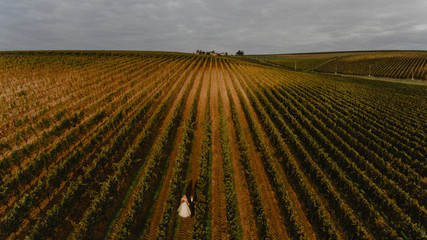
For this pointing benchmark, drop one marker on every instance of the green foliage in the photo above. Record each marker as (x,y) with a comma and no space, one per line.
(178,177)
(201,228)
(154,169)
(353,150)
(245,159)
(234,227)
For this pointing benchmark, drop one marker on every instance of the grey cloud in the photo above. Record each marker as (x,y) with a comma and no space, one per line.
(274,26)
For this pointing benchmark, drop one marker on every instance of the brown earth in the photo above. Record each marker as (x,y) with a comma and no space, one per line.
(297,204)
(54,198)
(186,225)
(129,202)
(158,207)
(223,75)
(247,217)
(218,207)
(276,221)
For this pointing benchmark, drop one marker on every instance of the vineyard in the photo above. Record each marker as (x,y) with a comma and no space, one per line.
(103,144)
(388,64)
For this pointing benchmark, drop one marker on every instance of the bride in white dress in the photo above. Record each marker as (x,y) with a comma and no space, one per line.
(184,209)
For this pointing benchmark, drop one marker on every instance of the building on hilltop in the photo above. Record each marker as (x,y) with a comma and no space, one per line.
(211,53)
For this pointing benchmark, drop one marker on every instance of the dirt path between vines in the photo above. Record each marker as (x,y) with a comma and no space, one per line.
(186,225)
(270,203)
(48,202)
(56,196)
(64,153)
(129,202)
(218,208)
(159,205)
(296,204)
(330,209)
(246,210)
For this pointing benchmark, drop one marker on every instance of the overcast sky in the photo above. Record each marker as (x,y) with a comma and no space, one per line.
(272,26)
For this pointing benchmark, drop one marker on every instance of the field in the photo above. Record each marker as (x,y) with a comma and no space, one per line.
(388,64)
(102,145)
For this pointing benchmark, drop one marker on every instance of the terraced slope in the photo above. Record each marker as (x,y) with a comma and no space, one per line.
(102,145)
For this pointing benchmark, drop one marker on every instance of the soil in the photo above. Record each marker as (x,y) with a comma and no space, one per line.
(221,76)
(49,201)
(158,207)
(246,210)
(310,231)
(129,202)
(186,225)
(218,207)
(296,203)
(275,219)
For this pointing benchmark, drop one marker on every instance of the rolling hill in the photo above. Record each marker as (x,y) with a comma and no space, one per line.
(103,144)
(388,64)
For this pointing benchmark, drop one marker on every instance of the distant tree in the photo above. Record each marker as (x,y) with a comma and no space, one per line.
(240,53)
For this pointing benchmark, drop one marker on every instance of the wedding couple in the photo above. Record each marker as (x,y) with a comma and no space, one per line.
(186,209)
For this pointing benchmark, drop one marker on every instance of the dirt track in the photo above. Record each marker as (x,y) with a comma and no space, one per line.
(219,219)
(273,212)
(129,201)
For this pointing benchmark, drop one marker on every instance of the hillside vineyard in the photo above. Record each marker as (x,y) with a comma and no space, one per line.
(404,65)
(102,145)
(384,64)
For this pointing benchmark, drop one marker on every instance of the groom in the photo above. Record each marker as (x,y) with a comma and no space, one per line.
(192,205)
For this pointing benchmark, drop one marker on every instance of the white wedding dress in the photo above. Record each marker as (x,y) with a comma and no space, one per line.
(184,209)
